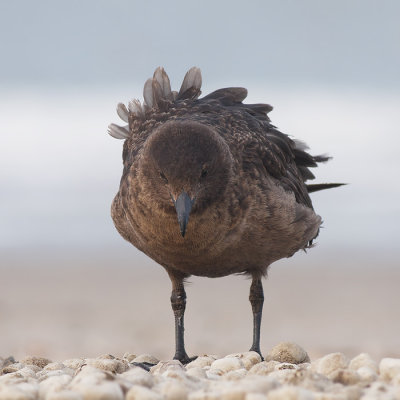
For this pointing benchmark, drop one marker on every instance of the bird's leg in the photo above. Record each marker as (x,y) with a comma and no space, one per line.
(257,300)
(178,303)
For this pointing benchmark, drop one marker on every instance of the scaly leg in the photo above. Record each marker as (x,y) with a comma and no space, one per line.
(178,303)
(257,300)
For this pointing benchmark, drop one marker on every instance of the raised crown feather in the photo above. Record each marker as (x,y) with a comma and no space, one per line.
(157,96)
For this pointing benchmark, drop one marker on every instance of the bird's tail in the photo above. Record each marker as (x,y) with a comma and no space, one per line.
(322,186)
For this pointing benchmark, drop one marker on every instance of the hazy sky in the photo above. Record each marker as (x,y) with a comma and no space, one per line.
(329,68)
(105,42)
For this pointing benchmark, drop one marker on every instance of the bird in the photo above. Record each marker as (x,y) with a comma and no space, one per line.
(211,188)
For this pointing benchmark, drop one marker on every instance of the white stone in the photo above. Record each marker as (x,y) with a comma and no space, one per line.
(227,364)
(214,374)
(43,375)
(255,396)
(105,390)
(146,358)
(106,357)
(64,395)
(138,376)
(329,363)
(352,392)
(202,361)
(54,366)
(291,393)
(396,381)
(284,376)
(233,393)
(389,368)
(367,374)
(163,366)
(112,365)
(288,352)
(285,365)
(363,360)
(20,391)
(142,393)
(249,358)
(38,361)
(345,376)
(53,384)
(12,368)
(258,384)
(379,391)
(263,368)
(28,371)
(176,374)
(12,378)
(173,390)
(196,372)
(74,363)
(129,357)
(236,374)
(204,395)
(91,375)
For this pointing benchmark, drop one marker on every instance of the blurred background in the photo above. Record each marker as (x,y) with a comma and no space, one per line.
(72,287)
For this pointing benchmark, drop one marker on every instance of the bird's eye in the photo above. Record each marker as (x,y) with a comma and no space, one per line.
(163,177)
(204,173)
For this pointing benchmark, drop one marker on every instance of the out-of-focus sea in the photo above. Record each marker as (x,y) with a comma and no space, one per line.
(70,286)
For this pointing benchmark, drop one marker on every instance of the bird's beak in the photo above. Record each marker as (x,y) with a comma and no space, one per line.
(183,205)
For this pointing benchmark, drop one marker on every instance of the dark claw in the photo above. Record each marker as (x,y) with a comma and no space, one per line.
(145,365)
(185,359)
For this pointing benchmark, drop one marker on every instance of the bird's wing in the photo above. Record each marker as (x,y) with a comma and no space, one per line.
(263,145)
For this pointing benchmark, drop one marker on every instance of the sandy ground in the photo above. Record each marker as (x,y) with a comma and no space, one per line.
(85,304)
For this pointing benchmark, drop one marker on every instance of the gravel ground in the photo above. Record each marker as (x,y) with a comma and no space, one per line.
(286,373)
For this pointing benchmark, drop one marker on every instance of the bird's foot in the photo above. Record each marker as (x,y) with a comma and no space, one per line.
(257,350)
(184,358)
(145,365)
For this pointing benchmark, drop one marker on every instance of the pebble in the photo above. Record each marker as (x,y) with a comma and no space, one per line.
(236,375)
(287,374)
(146,358)
(171,389)
(201,362)
(345,376)
(264,368)
(330,363)
(291,393)
(38,361)
(389,368)
(74,363)
(227,364)
(107,364)
(21,391)
(4,362)
(248,358)
(138,376)
(288,352)
(363,360)
(63,395)
(53,384)
(367,374)
(196,372)
(129,357)
(142,393)
(164,366)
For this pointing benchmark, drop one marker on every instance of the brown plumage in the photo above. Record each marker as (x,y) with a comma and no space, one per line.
(211,188)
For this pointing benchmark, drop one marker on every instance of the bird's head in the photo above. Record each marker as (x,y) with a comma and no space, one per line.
(185,168)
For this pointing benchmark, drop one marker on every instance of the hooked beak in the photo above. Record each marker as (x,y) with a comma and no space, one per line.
(183,205)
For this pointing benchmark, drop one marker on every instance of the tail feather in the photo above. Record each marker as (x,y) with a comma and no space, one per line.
(322,186)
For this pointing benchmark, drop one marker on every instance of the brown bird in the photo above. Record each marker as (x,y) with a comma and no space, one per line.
(211,188)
